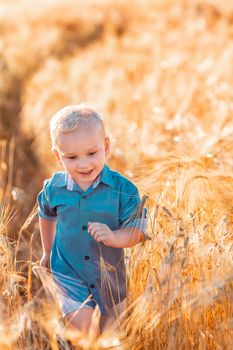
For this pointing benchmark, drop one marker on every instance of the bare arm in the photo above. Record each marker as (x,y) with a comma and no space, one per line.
(47,232)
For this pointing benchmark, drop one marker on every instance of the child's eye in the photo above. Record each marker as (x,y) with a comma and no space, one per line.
(92,153)
(73,157)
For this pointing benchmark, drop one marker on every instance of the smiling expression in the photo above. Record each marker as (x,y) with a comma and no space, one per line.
(82,153)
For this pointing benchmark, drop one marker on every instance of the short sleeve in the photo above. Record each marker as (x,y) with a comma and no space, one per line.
(45,210)
(131,213)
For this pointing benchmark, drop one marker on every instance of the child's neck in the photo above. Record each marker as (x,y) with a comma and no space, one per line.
(85,187)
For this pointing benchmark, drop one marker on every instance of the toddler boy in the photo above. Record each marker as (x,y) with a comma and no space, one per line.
(87,215)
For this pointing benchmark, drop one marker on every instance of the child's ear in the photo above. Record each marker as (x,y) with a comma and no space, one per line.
(107,145)
(55,152)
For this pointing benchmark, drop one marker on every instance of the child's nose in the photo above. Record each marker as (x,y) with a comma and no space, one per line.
(82,163)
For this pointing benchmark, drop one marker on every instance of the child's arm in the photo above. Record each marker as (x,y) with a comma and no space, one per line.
(123,238)
(47,232)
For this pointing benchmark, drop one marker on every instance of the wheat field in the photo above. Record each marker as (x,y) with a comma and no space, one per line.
(161,73)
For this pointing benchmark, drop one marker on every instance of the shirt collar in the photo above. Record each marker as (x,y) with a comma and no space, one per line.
(104,177)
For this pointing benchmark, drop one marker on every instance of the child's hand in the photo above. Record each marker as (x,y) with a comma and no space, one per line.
(45,260)
(101,233)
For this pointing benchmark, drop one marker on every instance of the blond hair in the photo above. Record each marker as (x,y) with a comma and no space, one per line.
(69,118)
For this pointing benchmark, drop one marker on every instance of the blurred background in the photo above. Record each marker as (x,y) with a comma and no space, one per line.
(160,72)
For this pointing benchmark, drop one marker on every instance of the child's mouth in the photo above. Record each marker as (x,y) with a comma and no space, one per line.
(84,173)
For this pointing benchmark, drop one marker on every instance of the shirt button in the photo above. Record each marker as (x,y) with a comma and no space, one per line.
(92,286)
(84,227)
(84,197)
(86,257)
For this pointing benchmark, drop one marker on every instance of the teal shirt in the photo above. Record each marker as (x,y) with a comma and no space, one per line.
(76,258)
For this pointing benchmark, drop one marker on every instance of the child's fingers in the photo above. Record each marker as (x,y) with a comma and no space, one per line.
(99,237)
(92,230)
(96,233)
(90,224)
(94,226)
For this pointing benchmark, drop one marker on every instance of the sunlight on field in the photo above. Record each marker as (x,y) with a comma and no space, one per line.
(161,74)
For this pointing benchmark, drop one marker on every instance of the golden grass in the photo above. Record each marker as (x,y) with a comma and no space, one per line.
(161,73)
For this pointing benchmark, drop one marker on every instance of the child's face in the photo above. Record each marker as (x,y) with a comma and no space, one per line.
(83,153)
